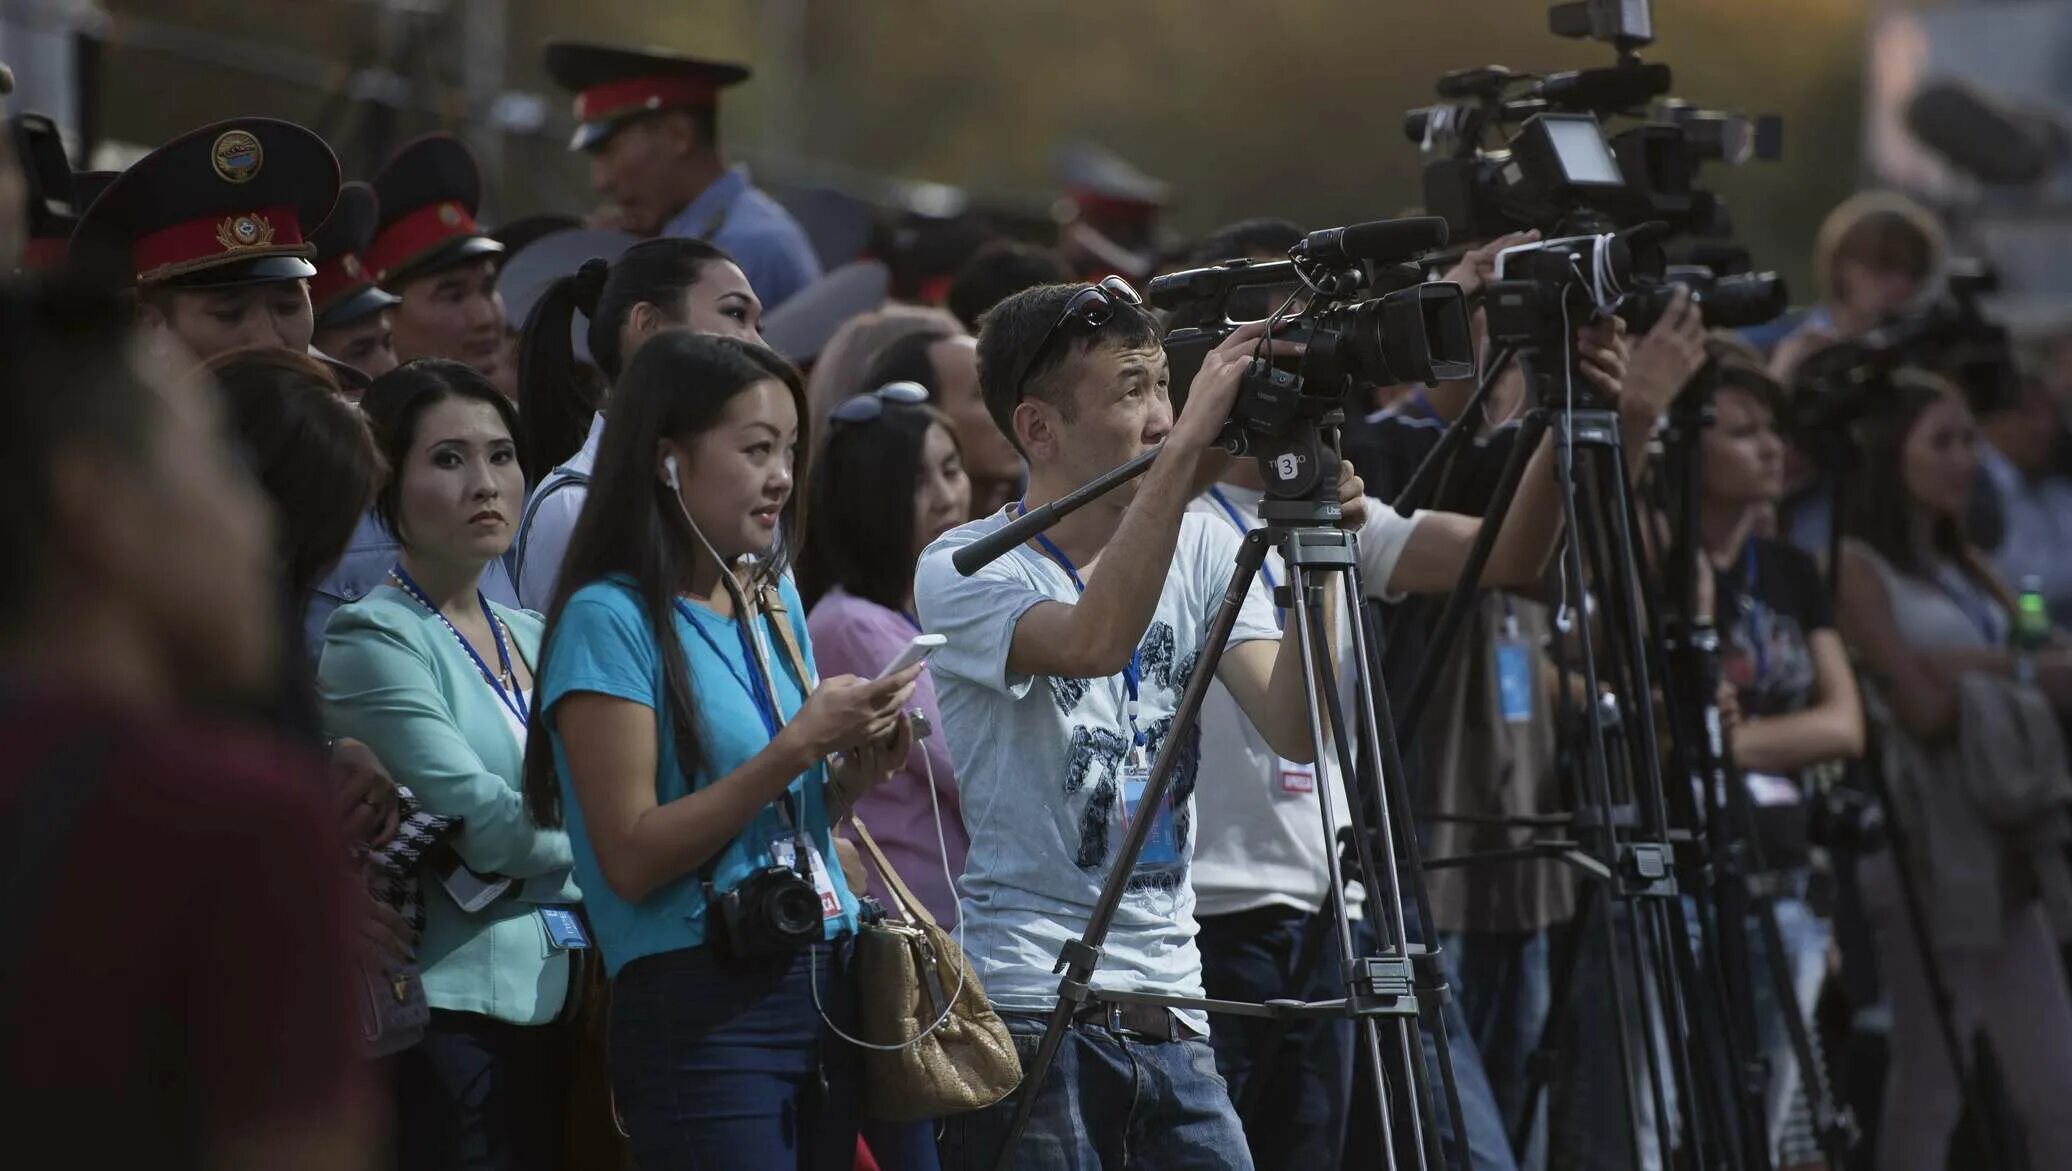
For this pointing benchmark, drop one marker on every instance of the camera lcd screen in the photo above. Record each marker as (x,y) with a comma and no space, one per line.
(1580,147)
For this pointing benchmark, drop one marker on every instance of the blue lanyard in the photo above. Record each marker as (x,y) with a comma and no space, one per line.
(1237,521)
(514,699)
(912,620)
(1417,396)
(1133,674)
(1757,614)
(1969,601)
(765,705)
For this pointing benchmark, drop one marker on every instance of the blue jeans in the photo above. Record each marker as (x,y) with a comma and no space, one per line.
(1594,1131)
(1805,938)
(1489,1148)
(720,1064)
(1299,1120)
(1110,1101)
(1501,981)
(476,1094)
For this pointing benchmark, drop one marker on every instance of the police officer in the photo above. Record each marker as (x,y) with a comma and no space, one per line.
(1109,216)
(352,311)
(430,255)
(429,251)
(213,231)
(648,121)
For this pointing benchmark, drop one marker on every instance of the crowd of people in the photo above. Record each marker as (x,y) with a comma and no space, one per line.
(417,714)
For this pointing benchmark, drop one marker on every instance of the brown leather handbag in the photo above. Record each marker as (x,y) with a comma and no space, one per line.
(932,1043)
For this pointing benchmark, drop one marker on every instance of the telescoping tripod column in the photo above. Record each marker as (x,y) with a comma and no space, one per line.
(1301,516)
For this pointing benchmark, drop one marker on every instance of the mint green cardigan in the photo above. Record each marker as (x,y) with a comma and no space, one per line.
(394,676)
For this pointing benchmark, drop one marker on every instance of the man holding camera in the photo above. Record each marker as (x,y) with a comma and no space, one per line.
(1066,661)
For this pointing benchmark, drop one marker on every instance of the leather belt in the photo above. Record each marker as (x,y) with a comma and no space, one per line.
(1147,1021)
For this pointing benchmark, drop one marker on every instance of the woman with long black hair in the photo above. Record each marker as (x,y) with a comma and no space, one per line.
(1924,612)
(688,755)
(661,284)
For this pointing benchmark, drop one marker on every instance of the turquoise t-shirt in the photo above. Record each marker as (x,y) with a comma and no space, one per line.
(603,643)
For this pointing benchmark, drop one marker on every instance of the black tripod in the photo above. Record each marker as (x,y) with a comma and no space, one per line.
(1622,827)
(1301,516)
(1727,855)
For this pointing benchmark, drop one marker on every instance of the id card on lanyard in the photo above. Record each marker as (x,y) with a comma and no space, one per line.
(1514,673)
(1162,848)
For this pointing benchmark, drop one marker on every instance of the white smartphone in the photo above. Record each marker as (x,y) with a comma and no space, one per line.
(916,651)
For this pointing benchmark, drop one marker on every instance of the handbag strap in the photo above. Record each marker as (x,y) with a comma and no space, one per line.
(909,907)
(780,618)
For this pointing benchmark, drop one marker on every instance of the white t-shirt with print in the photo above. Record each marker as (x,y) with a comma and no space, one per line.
(1262,840)
(1040,765)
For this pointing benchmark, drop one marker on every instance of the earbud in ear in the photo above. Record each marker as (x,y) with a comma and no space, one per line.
(669,473)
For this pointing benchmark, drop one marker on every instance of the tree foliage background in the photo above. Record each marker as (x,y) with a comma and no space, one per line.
(1249,107)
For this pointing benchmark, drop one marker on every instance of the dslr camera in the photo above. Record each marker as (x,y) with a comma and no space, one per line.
(1367,319)
(773,911)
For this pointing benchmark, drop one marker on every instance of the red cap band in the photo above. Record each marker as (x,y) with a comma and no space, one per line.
(642,93)
(199,243)
(335,277)
(1113,208)
(45,252)
(417,233)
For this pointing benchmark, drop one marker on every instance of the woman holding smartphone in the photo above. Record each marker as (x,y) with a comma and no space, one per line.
(688,756)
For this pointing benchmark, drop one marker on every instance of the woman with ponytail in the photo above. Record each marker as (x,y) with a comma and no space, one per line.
(655,285)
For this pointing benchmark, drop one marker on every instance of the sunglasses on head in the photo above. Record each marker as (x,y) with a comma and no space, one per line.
(870,406)
(1091,308)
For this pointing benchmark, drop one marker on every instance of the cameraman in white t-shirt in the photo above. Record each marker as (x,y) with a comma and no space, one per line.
(1066,661)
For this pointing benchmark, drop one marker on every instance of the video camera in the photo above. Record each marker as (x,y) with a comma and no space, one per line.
(1370,319)
(1950,335)
(1558,172)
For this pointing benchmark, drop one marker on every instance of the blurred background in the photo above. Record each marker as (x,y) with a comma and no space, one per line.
(870,117)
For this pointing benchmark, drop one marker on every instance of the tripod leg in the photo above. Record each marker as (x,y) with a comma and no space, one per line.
(1309,627)
(1396,789)
(1597,767)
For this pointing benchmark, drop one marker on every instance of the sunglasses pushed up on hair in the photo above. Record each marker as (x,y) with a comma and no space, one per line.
(870,406)
(1090,308)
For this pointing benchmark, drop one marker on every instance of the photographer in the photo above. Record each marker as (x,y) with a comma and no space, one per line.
(1875,253)
(1065,662)
(1261,869)
(691,769)
(1929,623)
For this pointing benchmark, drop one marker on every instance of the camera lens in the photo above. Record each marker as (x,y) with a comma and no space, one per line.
(1737,302)
(793,910)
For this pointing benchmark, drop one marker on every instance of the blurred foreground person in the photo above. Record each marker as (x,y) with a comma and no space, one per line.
(176,988)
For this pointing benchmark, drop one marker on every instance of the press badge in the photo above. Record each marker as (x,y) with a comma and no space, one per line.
(1514,680)
(1162,845)
(785,851)
(1298,779)
(564,929)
